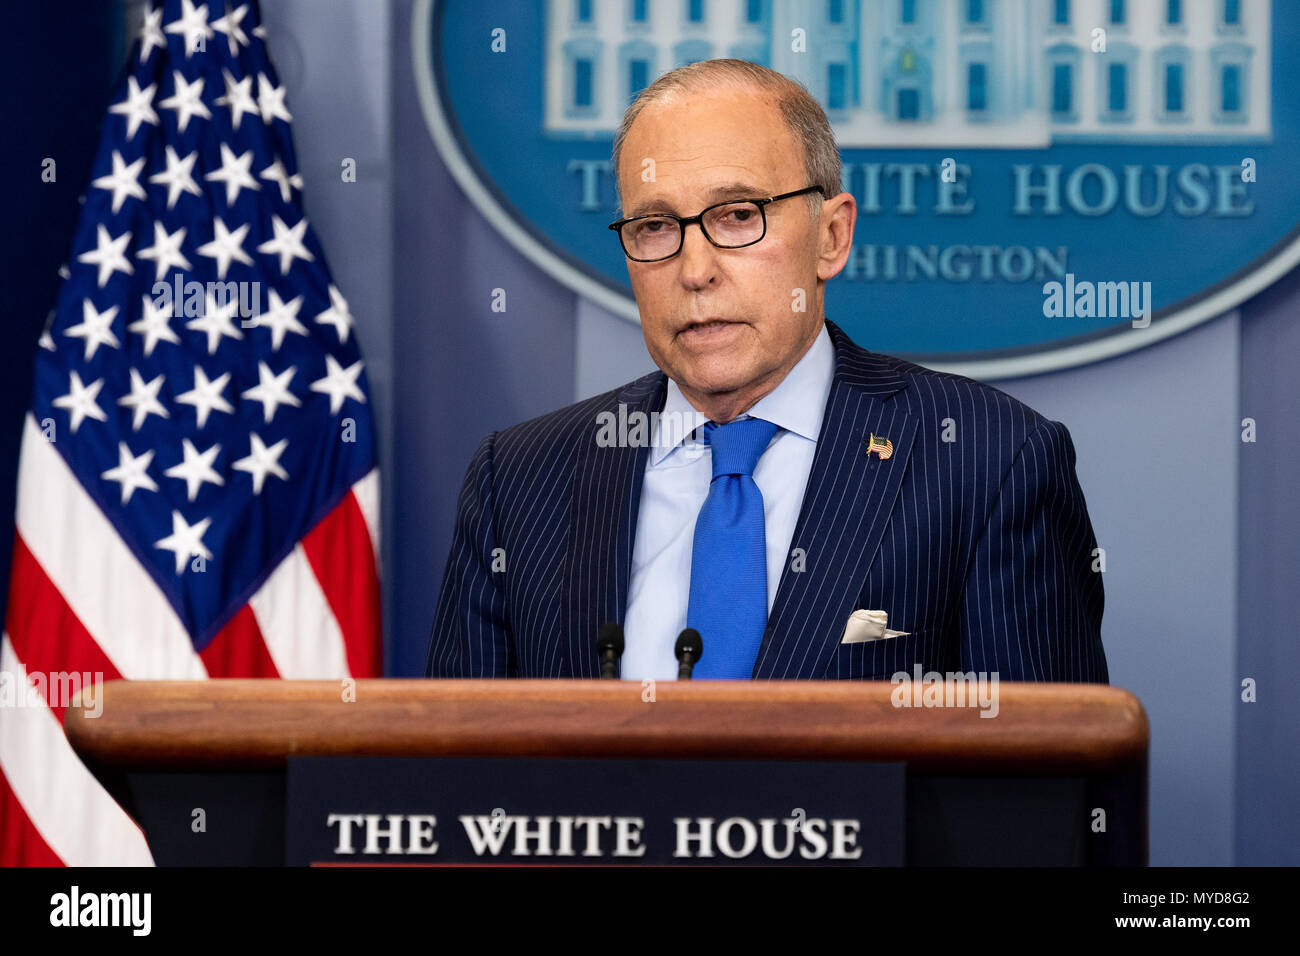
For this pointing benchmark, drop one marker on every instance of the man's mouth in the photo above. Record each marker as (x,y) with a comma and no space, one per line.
(707,327)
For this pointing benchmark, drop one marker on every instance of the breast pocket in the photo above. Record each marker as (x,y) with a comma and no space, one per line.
(881,659)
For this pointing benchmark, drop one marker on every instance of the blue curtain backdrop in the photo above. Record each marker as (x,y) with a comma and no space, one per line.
(58,62)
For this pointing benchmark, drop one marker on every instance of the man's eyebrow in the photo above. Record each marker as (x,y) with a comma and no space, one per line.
(716,194)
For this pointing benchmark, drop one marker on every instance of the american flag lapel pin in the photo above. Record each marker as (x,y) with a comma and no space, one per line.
(883,447)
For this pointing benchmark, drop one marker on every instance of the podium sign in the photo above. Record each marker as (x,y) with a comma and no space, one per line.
(497,772)
(549,811)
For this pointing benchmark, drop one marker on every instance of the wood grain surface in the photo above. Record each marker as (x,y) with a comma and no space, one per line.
(1039,728)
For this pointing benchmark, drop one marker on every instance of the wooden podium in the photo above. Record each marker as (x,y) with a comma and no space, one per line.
(1029,785)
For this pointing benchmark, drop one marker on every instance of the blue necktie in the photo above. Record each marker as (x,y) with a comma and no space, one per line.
(728,603)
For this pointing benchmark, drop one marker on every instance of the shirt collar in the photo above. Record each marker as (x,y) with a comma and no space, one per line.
(797,404)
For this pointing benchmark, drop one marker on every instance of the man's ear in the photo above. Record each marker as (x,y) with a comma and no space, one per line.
(835,234)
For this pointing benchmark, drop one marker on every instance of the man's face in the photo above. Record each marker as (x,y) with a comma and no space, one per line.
(720,321)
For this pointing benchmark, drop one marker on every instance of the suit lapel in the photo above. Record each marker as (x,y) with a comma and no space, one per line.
(603,510)
(846,507)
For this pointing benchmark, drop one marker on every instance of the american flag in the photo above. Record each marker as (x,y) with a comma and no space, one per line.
(197,491)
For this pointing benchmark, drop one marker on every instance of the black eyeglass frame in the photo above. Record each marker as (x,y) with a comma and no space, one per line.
(684,221)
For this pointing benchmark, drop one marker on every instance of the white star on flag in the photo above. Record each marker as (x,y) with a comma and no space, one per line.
(108,254)
(281,318)
(215,321)
(339,383)
(196,468)
(270,98)
(95,327)
(80,401)
(143,399)
(123,181)
(276,173)
(262,461)
(272,390)
(186,540)
(234,173)
(166,250)
(230,26)
(226,246)
(137,107)
(239,97)
(287,243)
(206,395)
(337,314)
(193,24)
(187,101)
(131,472)
(151,36)
(154,325)
(177,177)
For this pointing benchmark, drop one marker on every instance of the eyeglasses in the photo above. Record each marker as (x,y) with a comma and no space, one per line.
(728,225)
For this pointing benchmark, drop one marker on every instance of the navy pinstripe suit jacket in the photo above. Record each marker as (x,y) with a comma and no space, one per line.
(979,546)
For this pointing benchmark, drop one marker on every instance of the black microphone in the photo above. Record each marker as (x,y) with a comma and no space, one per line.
(689,649)
(609,645)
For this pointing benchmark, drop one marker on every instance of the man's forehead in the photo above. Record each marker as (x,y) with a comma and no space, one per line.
(659,200)
(710,146)
(707,122)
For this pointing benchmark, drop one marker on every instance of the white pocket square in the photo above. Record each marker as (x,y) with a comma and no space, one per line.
(863,626)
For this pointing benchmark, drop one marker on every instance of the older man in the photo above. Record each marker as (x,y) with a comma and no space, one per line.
(837,513)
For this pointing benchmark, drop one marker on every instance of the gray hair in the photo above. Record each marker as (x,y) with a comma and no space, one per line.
(803,115)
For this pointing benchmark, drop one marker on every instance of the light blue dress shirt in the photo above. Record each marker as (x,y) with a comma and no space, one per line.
(677,478)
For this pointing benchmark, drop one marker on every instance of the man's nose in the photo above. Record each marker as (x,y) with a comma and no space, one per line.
(699,257)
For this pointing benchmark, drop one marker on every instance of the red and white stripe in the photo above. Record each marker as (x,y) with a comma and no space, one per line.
(79,600)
